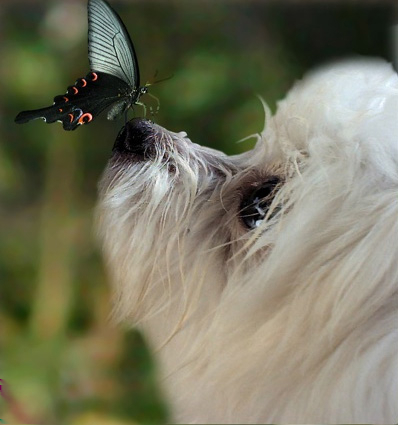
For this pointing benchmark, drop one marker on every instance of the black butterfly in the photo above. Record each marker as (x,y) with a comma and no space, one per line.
(114,80)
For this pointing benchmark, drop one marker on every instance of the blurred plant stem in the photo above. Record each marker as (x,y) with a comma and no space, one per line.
(58,230)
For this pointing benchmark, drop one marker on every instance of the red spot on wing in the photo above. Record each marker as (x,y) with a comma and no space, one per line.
(83,82)
(70,117)
(76,91)
(94,76)
(85,118)
(66,99)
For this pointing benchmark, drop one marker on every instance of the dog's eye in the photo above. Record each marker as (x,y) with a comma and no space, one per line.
(255,205)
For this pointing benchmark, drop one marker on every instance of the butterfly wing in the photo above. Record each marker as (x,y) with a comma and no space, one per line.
(114,82)
(83,102)
(110,48)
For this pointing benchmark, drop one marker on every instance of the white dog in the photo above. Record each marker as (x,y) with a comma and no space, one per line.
(267,282)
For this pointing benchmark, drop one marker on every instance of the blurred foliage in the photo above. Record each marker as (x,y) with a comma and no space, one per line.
(61,360)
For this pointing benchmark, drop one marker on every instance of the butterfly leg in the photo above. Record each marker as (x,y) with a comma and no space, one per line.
(154,112)
(143,107)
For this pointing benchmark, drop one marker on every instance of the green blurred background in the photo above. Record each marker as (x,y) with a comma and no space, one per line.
(61,361)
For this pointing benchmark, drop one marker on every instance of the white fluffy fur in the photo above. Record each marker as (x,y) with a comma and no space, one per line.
(295,322)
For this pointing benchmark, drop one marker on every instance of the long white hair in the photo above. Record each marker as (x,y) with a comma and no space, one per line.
(295,321)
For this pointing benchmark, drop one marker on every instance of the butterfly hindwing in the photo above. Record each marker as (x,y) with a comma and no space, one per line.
(82,102)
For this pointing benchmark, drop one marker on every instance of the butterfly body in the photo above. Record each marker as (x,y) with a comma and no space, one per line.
(112,84)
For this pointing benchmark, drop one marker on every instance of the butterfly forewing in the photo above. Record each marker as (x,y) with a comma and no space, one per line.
(110,48)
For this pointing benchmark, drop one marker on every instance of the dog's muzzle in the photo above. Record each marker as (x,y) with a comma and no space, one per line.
(141,140)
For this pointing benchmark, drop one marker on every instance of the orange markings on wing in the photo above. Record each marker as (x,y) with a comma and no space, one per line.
(85,118)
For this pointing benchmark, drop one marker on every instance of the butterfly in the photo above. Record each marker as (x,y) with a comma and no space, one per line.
(113,82)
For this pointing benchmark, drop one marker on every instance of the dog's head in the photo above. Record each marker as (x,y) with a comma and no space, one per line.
(174,210)
(248,254)
(179,219)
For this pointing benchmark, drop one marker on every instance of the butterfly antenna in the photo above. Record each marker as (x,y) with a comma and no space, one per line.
(147,84)
(163,79)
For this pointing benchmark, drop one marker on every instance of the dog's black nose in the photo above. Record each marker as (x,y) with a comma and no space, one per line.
(135,137)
